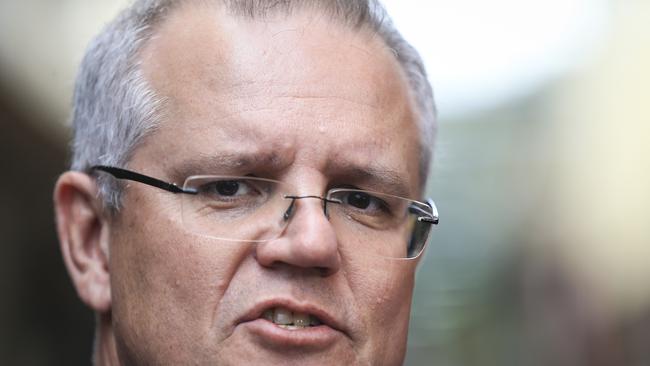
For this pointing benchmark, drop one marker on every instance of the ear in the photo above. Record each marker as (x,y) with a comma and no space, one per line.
(84,237)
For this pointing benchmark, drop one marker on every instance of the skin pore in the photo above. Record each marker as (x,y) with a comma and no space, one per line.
(298,99)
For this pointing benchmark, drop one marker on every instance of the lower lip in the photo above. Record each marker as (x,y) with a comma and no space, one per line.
(317,336)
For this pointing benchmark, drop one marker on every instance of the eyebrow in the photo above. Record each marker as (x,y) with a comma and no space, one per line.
(228,163)
(377,178)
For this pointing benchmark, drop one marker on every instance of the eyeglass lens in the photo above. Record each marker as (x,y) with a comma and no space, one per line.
(253,209)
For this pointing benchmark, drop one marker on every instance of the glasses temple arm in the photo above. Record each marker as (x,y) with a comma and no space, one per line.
(428,217)
(120,173)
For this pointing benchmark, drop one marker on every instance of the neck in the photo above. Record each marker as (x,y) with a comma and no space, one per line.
(105,353)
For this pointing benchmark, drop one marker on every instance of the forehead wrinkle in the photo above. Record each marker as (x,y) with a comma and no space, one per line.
(330,97)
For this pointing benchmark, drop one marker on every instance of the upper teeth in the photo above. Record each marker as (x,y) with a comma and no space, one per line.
(287,319)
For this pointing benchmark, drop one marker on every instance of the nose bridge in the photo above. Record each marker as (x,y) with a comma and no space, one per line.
(310,230)
(309,240)
(292,207)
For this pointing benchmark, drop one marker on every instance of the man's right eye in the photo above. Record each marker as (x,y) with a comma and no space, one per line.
(228,188)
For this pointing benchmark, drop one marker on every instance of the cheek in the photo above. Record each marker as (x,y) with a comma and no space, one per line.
(166,283)
(389,285)
(383,290)
(380,286)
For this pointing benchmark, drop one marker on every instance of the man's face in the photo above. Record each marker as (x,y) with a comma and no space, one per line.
(298,100)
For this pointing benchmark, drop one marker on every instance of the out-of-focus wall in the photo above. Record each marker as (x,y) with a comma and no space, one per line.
(41,45)
(41,42)
(543,253)
(600,131)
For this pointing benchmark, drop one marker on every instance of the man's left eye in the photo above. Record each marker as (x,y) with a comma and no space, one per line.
(362,201)
(359,200)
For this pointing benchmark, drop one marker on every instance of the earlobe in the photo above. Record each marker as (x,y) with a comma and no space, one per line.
(83,235)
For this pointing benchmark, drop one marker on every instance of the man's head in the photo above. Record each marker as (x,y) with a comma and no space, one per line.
(318,95)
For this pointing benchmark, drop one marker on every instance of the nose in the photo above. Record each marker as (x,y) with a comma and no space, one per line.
(309,242)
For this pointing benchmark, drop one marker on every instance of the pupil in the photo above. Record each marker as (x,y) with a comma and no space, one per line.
(359,200)
(227,188)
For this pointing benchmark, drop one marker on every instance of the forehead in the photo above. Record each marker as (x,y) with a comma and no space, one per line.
(294,89)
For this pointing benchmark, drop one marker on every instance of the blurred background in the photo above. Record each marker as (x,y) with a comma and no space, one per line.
(541,176)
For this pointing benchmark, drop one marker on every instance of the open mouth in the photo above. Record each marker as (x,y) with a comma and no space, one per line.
(291,320)
(282,323)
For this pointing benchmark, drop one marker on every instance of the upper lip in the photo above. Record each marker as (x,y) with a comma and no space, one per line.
(295,306)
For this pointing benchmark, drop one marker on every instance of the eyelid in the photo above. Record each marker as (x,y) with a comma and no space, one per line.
(374,196)
(370,192)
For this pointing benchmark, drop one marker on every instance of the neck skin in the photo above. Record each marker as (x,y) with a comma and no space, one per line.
(105,353)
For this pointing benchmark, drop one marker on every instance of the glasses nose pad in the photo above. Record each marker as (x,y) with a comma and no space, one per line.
(289,212)
(325,206)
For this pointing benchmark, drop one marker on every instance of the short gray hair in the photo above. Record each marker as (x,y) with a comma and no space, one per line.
(114,108)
